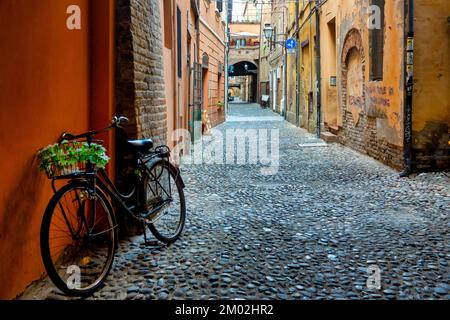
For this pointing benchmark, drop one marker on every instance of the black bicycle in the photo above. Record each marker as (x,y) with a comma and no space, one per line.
(79,232)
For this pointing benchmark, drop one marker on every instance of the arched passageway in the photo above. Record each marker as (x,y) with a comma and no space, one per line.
(243,80)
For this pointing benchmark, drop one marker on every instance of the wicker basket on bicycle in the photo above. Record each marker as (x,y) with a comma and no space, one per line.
(70,158)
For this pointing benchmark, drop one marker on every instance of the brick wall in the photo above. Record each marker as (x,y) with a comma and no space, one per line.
(140,93)
(140,71)
(363,136)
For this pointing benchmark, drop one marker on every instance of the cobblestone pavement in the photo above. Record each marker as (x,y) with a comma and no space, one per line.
(309,232)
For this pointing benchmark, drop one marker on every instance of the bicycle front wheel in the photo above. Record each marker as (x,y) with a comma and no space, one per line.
(164,196)
(78,239)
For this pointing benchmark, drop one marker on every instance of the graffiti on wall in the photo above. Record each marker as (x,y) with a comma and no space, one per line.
(380,96)
(355,86)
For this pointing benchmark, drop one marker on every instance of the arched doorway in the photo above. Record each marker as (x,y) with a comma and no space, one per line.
(244,76)
(353,77)
(205,81)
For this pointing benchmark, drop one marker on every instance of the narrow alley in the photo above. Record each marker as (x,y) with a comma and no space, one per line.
(313,230)
(285,149)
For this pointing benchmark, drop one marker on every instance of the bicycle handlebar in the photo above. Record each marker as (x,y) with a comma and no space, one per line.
(116,123)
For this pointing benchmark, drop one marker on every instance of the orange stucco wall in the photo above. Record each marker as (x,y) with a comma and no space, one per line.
(245,27)
(212,36)
(195,43)
(45,83)
(176,88)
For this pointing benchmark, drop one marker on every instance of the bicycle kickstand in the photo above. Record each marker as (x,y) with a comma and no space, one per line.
(145,232)
(146,242)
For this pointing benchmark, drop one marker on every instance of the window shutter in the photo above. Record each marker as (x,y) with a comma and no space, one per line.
(179,43)
(376,50)
(219,5)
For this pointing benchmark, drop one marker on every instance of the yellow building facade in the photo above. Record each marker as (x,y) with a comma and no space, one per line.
(361,98)
(292,64)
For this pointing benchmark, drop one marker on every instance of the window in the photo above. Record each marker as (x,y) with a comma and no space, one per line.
(209,89)
(179,60)
(219,5)
(376,42)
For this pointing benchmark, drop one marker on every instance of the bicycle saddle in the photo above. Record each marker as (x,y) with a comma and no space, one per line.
(141,145)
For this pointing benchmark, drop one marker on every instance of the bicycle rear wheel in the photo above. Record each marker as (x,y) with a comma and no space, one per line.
(78,239)
(164,194)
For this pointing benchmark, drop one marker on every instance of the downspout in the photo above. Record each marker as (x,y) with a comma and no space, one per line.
(319,72)
(174,72)
(258,81)
(196,121)
(227,52)
(285,97)
(409,86)
(297,67)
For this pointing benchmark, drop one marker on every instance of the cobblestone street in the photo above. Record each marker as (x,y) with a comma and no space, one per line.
(311,231)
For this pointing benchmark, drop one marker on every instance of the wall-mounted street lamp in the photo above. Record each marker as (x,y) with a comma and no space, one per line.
(269,35)
(268,32)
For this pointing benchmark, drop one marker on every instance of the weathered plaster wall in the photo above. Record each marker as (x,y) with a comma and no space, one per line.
(292,67)
(431,105)
(264,67)
(329,50)
(380,103)
(308,75)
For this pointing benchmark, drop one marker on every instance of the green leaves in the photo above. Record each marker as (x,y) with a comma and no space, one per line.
(70,157)
(220,104)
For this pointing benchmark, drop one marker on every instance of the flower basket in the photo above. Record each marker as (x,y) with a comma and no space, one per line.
(70,158)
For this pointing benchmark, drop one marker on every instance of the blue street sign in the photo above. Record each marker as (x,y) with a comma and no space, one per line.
(291,44)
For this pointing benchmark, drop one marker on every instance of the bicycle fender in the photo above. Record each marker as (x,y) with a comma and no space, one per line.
(176,171)
(152,162)
(178,175)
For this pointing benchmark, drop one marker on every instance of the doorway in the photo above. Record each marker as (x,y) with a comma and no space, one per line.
(274,89)
(332,112)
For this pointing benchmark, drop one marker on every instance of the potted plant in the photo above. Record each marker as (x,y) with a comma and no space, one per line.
(220,106)
(66,158)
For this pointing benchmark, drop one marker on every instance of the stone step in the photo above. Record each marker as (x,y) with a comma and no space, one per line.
(333,129)
(328,137)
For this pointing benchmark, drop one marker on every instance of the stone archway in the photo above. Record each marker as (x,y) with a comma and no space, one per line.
(246,74)
(353,77)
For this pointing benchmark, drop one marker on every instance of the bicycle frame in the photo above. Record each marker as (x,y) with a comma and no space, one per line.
(101,179)
(143,163)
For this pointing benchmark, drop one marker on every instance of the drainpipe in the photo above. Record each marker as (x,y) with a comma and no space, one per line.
(258,77)
(227,51)
(285,97)
(297,67)
(409,86)
(318,69)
